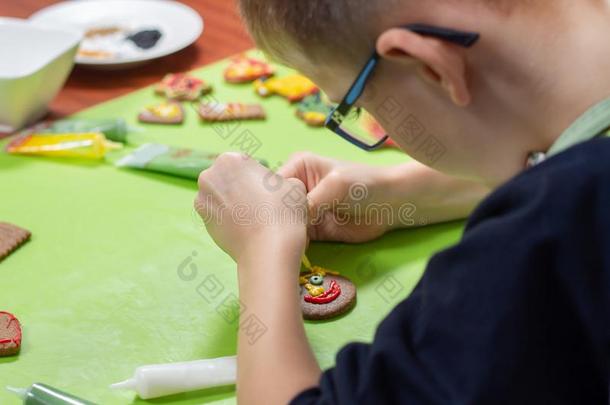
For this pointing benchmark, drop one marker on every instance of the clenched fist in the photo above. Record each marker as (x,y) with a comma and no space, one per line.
(248,210)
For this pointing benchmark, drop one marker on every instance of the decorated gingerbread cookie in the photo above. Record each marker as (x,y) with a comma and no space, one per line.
(11,237)
(182,87)
(10,335)
(325,294)
(244,69)
(214,112)
(294,87)
(169,112)
(313,110)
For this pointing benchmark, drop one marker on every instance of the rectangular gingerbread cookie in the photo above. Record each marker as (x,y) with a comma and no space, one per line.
(11,237)
(215,112)
(170,113)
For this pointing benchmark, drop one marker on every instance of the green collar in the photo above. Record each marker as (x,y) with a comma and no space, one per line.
(591,124)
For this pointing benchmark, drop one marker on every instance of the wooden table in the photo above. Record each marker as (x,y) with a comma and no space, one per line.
(223,36)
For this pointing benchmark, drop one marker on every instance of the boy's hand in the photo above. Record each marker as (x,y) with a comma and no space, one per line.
(246,217)
(346,200)
(259,218)
(353,203)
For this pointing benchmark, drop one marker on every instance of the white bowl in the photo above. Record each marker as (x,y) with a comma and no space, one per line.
(34,65)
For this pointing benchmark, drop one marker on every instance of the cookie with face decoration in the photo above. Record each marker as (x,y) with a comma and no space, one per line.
(325,294)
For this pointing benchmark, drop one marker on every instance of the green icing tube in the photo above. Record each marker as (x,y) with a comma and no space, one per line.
(181,162)
(41,394)
(113,129)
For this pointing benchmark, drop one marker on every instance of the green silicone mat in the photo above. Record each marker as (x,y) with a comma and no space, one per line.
(98,291)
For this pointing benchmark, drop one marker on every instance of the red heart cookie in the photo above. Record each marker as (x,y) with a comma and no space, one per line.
(10,334)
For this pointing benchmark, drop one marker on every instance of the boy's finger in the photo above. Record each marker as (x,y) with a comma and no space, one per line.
(320,198)
(294,168)
(307,167)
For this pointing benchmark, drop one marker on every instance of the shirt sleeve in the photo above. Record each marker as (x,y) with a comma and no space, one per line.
(516,313)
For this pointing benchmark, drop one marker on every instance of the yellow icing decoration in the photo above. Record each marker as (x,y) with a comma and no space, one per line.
(165,110)
(322,271)
(315,118)
(293,87)
(93,145)
(316,271)
(314,290)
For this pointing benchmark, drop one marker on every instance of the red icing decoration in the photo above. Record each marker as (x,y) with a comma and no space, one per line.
(10,334)
(244,69)
(181,80)
(329,295)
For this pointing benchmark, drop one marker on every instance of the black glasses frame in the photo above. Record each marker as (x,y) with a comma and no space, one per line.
(338,114)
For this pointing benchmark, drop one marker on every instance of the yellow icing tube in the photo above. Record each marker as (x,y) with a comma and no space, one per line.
(159,380)
(91,145)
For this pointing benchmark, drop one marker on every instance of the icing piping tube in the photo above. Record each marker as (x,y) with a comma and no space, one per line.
(159,380)
(41,394)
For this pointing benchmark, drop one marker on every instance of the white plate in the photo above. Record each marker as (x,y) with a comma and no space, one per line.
(179,24)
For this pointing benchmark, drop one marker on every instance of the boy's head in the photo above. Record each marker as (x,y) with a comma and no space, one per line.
(473,112)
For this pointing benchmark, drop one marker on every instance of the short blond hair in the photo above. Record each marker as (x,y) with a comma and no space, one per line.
(341,29)
(314,27)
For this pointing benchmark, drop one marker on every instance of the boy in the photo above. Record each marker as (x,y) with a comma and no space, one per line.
(517,312)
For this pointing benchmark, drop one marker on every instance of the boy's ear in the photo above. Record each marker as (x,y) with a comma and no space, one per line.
(442,63)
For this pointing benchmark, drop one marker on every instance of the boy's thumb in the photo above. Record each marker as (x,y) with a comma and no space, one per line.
(321,198)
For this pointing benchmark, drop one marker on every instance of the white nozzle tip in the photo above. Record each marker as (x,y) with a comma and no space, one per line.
(124,385)
(20,392)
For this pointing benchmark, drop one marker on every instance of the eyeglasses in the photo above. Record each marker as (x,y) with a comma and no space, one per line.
(338,117)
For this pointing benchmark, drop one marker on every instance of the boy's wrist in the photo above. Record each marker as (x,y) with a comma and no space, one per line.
(422,196)
(280,247)
(397,185)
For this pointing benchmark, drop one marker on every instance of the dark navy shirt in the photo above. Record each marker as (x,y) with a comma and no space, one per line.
(517,313)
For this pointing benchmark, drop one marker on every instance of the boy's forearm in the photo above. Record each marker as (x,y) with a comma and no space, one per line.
(276,363)
(433,196)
